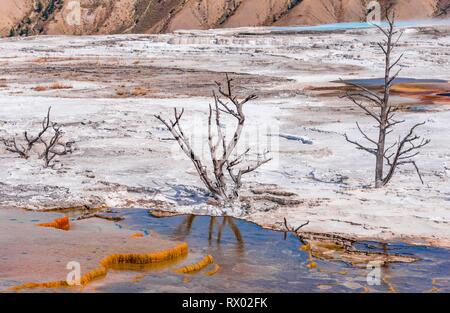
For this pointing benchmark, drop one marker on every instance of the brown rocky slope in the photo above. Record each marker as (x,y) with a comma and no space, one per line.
(30,17)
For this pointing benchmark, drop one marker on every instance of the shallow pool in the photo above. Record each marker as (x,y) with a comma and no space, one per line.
(376,82)
(254,259)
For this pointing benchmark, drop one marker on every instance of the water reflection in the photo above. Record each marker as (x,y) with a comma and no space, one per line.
(378,82)
(425,90)
(407,92)
(215,230)
(254,259)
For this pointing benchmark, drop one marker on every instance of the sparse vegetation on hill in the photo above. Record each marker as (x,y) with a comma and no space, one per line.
(153,16)
(34,22)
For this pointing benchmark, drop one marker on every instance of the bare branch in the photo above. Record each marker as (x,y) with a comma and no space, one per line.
(54,147)
(292,229)
(365,135)
(365,109)
(184,145)
(367,90)
(360,146)
(404,154)
(45,127)
(12,146)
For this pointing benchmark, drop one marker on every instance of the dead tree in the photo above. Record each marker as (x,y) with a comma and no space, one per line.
(224,179)
(52,146)
(378,106)
(24,149)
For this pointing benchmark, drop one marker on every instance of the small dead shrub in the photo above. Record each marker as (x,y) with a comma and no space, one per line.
(49,143)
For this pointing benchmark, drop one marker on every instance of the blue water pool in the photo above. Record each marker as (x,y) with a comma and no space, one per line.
(254,259)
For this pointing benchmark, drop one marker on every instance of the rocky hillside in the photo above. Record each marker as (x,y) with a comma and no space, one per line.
(29,17)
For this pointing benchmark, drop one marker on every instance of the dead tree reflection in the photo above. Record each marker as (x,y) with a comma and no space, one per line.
(219,223)
(184,229)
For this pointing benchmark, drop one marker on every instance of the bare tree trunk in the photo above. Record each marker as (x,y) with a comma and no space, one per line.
(384,114)
(379,167)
